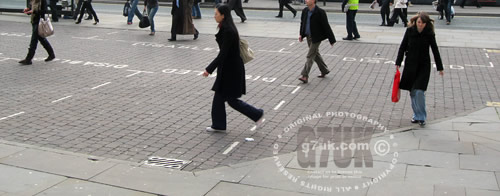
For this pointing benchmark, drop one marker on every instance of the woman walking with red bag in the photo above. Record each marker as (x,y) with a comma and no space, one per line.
(418,38)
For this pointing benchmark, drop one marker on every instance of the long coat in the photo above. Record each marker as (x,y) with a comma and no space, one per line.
(181,17)
(230,79)
(417,69)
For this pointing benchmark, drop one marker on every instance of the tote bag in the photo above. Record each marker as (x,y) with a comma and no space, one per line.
(144,20)
(45,27)
(246,53)
(396,92)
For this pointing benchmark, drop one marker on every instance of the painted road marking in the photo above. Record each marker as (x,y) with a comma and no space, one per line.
(230,147)
(487,56)
(62,99)
(494,51)
(291,44)
(295,90)
(491,63)
(137,72)
(100,85)
(493,104)
(11,115)
(112,33)
(279,105)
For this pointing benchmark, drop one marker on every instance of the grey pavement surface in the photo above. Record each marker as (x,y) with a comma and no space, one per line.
(87,122)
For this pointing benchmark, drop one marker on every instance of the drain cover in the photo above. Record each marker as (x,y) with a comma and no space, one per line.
(166,162)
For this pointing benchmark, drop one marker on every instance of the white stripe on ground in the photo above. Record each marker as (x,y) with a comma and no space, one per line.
(61,99)
(279,105)
(11,115)
(230,147)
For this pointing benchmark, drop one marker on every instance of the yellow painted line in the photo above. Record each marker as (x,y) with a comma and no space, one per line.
(493,104)
(494,51)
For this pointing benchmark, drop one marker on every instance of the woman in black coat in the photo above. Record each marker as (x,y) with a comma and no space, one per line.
(418,38)
(230,82)
(37,11)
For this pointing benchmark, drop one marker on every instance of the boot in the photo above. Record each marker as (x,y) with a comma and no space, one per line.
(49,50)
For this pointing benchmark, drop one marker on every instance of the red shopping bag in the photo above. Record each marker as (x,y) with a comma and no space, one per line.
(396,92)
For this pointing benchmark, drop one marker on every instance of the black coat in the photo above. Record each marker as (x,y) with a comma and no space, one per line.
(230,79)
(38,13)
(320,28)
(417,67)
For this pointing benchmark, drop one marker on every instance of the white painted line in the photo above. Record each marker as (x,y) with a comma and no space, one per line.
(288,85)
(330,55)
(101,85)
(487,56)
(11,115)
(61,99)
(112,33)
(137,72)
(230,147)
(279,105)
(296,89)
(491,64)
(294,86)
(291,44)
(253,128)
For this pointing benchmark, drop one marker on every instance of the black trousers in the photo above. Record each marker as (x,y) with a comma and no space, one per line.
(398,12)
(239,12)
(385,11)
(352,29)
(219,110)
(87,5)
(53,10)
(77,11)
(35,38)
(282,3)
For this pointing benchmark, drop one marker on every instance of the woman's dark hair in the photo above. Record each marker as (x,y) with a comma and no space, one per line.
(228,19)
(425,19)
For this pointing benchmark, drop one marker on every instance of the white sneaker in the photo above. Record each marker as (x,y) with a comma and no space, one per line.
(210,129)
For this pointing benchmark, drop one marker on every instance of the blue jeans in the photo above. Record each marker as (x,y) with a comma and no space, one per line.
(151,14)
(219,110)
(418,104)
(448,10)
(133,8)
(196,12)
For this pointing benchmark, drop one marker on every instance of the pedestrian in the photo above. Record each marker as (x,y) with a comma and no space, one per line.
(53,10)
(399,10)
(37,9)
(385,11)
(230,81)
(447,10)
(87,5)
(419,36)
(315,28)
(352,29)
(151,6)
(182,21)
(478,5)
(77,11)
(237,6)
(285,3)
(196,10)
(133,11)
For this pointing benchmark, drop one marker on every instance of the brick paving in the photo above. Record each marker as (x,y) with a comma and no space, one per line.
(126,95)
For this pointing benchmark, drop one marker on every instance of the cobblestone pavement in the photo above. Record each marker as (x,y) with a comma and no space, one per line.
(124,95)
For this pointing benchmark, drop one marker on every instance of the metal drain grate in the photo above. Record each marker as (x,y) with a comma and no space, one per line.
(166,162)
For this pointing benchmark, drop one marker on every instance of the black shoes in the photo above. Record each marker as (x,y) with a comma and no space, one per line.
(347,38)
(26,62)
(356,38)
(295,14)
(279,16)
(196,35)
(420,122)
(50,58)
(323,74)
(96,21)
(243,20)
(171,39)
(383,24)
(78,22)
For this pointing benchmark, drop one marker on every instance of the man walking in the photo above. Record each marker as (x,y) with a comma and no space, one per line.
(286,4)
(315,28)
(352,29)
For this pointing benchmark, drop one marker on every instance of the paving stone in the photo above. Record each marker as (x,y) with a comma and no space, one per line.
(56,163)
(443,190)
(447,146)
(400,188)
(477,127)
(25,182)
(480,162)
(157,181)
(226,188)
(426,158)
(436,134)
(451,177)
(76,187)
(479,192)
(6,150)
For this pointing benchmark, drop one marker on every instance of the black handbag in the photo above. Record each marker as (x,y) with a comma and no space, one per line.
(144,21)
(126,8)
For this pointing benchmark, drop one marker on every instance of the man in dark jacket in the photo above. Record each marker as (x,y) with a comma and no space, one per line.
(315,27)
